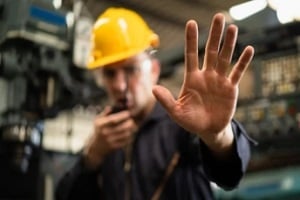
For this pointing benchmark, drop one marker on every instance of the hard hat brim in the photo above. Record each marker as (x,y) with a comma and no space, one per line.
(113,58)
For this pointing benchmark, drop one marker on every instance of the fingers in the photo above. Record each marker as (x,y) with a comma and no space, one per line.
(225,56)
(117,129)
(119,135)
(104,112)
(112,119)
(241,65)
(220,60)
(111,134)
(117,141)
(213,42)
(165,97)
(191,46)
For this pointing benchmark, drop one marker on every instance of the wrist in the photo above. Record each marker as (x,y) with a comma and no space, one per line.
(221,144)
(91,161)
(92,158)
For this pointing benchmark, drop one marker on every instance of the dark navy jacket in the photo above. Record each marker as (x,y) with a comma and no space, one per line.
(155,143)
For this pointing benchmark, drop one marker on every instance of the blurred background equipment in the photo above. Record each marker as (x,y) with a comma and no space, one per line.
(269,108)
(38,80)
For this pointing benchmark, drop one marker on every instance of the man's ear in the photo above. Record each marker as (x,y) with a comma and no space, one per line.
(155,70)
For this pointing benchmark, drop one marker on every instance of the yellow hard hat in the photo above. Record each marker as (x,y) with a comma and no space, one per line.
(118,34)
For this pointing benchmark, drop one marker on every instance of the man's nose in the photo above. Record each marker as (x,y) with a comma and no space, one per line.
(120,82)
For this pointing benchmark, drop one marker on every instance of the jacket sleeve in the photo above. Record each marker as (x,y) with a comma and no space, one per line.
(227,174)
(78,183)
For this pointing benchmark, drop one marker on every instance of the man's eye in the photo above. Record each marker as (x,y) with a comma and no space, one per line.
(130,70)
(109,73)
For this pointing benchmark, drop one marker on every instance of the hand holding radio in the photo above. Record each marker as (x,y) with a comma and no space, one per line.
(112,131)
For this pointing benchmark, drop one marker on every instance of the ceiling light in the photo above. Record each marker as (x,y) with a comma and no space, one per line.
(244,10)
(57,3)
(287,11)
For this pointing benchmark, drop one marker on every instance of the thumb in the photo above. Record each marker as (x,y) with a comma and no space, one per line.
(164,96)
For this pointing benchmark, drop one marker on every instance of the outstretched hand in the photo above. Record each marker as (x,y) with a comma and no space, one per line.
(207,101)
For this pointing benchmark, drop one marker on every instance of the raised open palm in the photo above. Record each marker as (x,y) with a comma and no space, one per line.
(207,101)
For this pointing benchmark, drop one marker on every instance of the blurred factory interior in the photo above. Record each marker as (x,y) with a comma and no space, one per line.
(48,100)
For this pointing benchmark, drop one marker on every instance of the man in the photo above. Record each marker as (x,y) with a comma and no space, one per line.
(169,148)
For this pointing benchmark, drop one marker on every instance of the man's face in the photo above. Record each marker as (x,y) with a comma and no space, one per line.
(131,81)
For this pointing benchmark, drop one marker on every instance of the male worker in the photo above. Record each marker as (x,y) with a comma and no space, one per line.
(154,146)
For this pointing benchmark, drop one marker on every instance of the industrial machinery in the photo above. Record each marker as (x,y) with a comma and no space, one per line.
(38,79)
(269,109)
